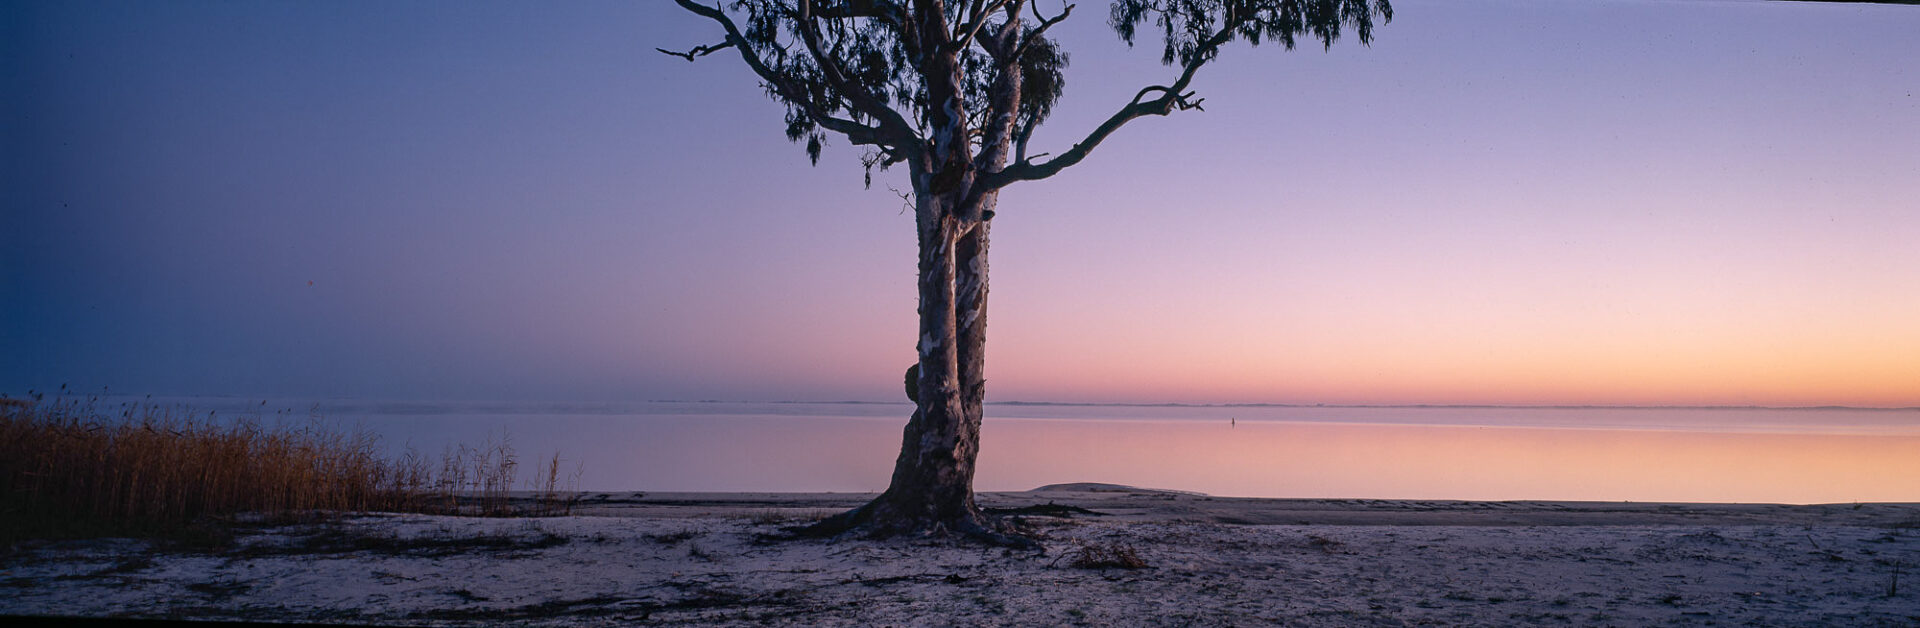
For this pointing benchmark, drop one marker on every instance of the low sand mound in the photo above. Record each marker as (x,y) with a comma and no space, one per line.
(1099,487)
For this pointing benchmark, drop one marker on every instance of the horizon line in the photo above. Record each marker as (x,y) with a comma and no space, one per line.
(1031,403)
(1464,406)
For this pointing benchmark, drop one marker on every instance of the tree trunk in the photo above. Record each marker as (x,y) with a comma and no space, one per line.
(932,487)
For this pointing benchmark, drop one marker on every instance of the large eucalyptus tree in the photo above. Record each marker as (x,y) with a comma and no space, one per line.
(953,89)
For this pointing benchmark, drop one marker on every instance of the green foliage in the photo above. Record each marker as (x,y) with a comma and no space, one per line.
(842,64)
(1186,26)
(872,42)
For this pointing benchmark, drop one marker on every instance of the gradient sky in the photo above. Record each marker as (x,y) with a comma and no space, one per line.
(1500,201)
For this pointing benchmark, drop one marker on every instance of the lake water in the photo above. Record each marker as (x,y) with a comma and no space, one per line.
(1607,454)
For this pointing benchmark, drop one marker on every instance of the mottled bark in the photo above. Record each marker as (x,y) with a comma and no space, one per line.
(932,486)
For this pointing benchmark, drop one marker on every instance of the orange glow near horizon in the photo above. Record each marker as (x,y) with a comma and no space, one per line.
(1452,462)
(1539,374)
(1275,349)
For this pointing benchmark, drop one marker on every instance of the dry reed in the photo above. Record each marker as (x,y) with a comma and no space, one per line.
(67,468)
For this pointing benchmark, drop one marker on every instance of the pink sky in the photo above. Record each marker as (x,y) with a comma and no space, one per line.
(1610,202)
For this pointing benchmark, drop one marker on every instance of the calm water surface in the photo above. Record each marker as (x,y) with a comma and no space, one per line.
(1611,454)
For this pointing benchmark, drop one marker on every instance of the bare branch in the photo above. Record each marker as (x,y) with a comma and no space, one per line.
(1003,96)
(1000,39)
(698,51)
(862,100)
(1034,36)
(973,25)
(1178,101)
(1172,98)
(1020,143)
(891,134)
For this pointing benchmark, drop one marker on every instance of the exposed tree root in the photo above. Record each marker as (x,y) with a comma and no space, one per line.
(877,519)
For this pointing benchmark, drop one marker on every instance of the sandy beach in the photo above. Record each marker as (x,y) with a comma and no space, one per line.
(711,558)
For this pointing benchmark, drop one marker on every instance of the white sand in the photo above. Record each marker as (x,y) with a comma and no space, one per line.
(702,559)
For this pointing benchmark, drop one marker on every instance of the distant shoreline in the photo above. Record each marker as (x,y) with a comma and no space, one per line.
(1118,503)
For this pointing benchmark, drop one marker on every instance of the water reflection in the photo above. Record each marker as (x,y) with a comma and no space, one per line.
(760,452)
(1279,459)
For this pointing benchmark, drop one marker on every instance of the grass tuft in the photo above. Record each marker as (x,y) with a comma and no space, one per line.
(772,516)
(1105,556)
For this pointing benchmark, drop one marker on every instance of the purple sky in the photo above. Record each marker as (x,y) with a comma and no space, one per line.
(1498,202)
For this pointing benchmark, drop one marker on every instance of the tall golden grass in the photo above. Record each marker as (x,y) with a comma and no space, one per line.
(153,467)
